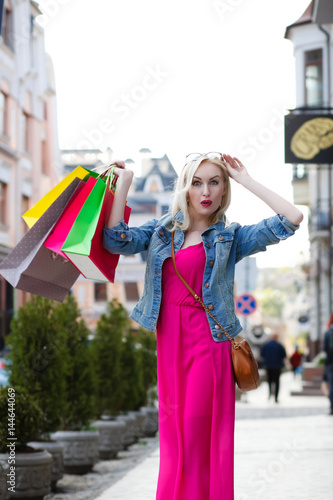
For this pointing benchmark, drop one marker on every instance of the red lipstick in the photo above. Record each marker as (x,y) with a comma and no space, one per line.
(206,203)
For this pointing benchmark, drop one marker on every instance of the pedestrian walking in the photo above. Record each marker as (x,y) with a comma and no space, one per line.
(295,360)
(328,348)
(273,354)
(196,385)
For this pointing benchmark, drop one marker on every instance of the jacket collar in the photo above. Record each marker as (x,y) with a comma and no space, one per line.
(179,216)
(219,225)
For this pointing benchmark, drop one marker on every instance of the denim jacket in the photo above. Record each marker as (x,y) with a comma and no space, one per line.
(225,245)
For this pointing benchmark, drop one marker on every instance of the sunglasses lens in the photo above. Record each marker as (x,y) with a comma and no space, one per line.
(214,155)
(192,157)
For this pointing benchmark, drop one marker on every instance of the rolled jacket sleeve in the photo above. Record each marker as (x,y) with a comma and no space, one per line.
(124,240)
(255,238)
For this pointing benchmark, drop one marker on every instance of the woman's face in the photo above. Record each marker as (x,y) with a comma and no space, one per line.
(206,191)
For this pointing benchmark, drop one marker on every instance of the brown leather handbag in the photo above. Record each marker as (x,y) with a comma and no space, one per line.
(244,364)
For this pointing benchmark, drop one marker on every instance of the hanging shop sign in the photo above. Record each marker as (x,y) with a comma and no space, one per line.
(309,138)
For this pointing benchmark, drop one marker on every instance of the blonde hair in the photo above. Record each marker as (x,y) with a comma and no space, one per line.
(184,183)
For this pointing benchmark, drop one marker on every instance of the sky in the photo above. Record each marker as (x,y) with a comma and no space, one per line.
(181,76)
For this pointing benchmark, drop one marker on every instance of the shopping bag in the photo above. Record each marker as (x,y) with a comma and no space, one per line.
(60,231)
(35,212)
(84,243)
(34,268)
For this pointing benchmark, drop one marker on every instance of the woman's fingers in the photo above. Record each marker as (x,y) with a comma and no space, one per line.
(233,161)
(119,163)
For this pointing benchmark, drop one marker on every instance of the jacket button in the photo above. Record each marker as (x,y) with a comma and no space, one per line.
(217,327)
(207,245)
(221,238)
(206,285)
(219,335)
(123,236)
(211,263)
(210,307)
(161,233)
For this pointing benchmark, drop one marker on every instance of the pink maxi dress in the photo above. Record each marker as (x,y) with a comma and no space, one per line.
(196,391)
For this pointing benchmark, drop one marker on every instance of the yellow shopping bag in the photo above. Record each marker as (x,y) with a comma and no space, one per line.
(35,212)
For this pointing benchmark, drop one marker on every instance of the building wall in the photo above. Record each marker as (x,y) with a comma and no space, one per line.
(319,180)
(29,153)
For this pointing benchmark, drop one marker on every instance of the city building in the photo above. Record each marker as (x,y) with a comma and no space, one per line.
(309,148)
(29,154)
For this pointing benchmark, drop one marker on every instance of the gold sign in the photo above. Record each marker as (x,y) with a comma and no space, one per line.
(312,137)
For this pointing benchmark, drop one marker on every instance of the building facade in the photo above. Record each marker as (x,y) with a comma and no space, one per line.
(29,153)
(309,147)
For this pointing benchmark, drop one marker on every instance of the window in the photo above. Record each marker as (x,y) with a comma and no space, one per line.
(81,294)
(7,25)
(132,293)
(25,208)
(25,132)
(314,78)
(3,113)
(100,292)
(44,156)
(3,203)
(300,171)
(153,187)
(31,42)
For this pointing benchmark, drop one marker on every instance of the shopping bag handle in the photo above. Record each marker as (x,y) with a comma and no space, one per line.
(109,173)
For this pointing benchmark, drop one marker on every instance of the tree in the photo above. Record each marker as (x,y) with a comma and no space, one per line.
(80,379)
(272,303)
(20,418)
(147,341)
(106,349)
(132,372)
(37,359)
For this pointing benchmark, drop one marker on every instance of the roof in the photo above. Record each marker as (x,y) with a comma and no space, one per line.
(318,12)
(305,18)
(88,151)
(167,178)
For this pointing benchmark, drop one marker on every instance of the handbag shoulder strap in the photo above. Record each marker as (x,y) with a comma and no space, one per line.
(195,295)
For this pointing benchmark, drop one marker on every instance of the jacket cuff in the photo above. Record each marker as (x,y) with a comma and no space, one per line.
(282,227)
(119,232)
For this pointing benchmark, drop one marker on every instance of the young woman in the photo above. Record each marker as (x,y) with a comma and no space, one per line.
(195,380)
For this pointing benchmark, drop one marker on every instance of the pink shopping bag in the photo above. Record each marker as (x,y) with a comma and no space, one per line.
(63,226)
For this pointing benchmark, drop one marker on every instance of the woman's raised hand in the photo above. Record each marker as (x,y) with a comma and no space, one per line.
(124,181)
(235,167)
(125,176)
(281,206)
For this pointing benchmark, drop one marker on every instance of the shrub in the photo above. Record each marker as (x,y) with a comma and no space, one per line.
(106,351)
(37,359)
(132,372)
(80,378)
(27,418)
(147,342)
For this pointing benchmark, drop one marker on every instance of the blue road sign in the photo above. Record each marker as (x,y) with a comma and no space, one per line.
(246,304)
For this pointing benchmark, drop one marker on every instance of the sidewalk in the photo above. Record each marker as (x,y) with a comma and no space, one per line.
(283,451)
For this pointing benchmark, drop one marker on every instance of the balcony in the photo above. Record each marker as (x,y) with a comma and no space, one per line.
(319,223)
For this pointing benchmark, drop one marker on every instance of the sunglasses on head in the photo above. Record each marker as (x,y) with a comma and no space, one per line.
(212,155)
